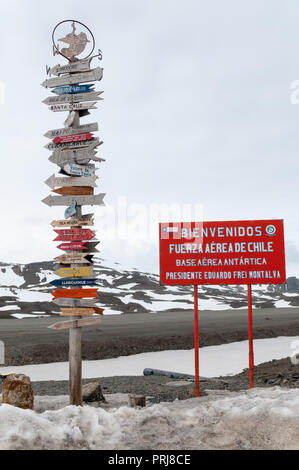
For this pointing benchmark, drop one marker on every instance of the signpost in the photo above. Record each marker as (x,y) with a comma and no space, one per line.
(53,181)
(72,222)
(72,89)
(74,146)
(235,252)
(73,246)
(80,66)
(74,282)
(81,200)
(75,302)
(74,234)
(91,145)
(76,324)
(73,169)
(73,106)
(84,311)
(73,138)
(74,190)
(75,293)
(91,127)
(74,78)
(73,98)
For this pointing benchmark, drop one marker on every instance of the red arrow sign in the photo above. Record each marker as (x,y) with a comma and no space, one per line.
(74,234)
(72,246)
(74,293)
(73,138)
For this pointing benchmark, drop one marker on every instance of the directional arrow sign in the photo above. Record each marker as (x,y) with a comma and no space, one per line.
(73,106)
(75,302)
(73,190)
(75,258)
(73,246)
(73,138)
(75,78)
(93,143)
(91,246)
(52,182)
(92,127)
(74,312)
(78,170)
(73,282)
(92,200)
(80,156)
(79,271)
(75,293)
(74,98)
(76,234)
(64,325)
(71,222)
(72,89)
(79,66)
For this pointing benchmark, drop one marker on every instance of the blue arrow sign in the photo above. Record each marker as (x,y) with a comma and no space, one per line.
(71,210)
(73,282)
(68,89)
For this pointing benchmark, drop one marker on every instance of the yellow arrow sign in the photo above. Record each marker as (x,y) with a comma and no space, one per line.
(81,271)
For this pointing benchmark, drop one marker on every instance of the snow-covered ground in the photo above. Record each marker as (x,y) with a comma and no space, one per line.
(127,290)
(215,361)
(255,419)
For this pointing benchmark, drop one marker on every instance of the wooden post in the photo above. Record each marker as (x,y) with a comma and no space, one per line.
(75,337)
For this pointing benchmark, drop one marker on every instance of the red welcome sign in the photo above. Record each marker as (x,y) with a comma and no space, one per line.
(235,252)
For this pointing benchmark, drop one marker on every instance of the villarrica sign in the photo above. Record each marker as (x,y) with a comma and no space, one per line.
(236,252)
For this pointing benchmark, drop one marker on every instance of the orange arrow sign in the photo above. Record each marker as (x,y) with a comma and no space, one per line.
(74,190)
(74,293)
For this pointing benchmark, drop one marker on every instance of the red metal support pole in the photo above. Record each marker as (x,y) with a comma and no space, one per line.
(196,341)
(250,338)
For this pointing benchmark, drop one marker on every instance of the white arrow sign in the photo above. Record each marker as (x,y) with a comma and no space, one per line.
(79,66)
(92,200)
(75,78)
(71,156)
(54,182)
(79,170)
(73,106)
(92,127)
(74,98)
(92,143)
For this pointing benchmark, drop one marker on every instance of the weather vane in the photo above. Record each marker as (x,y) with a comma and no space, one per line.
(77,40)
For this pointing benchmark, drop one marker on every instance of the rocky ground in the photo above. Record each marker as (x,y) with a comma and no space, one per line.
(277,372)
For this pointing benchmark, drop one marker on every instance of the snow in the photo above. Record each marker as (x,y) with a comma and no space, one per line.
(254,419)
(20,316)
(10,278)
(33,296)
(10,307)
(283,304)
(128,286)
(214,361)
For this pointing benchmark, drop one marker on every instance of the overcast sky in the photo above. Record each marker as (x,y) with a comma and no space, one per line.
(197,111)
